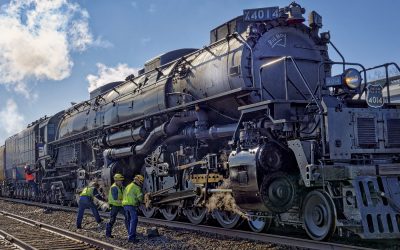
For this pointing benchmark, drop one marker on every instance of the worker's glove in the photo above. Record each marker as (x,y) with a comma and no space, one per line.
(103,205)
(147,200)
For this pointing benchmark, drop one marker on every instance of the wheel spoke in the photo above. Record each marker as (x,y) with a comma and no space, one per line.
(170,212)
(196,215)
(148,186)
(259,224)
(227,219)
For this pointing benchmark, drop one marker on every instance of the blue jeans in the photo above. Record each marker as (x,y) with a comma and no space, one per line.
(132,216)
(113,217)
(34,187)
(86,202)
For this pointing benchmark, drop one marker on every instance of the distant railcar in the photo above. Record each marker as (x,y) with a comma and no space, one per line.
(2,163)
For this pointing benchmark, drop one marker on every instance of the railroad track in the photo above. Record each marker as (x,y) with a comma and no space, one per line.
(7,245)
(239,234)
(33,235)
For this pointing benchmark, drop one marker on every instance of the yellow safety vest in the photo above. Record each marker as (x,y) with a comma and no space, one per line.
(132,195)
(87,191)
(111,201)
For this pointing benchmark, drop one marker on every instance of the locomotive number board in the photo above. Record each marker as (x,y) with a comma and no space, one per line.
(262,14)
(374,95)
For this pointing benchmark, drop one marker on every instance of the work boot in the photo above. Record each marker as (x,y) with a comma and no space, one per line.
(100,225)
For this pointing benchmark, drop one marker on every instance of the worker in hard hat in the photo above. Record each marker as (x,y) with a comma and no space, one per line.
(132,197)
(115,202)
(30,178)
(86,202)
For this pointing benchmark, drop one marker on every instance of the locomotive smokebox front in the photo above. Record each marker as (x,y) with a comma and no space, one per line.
(293,41)
(285,56)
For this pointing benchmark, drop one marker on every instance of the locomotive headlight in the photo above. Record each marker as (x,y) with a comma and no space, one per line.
(352,78)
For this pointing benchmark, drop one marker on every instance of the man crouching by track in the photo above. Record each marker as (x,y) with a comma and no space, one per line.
(132,197)
(115,202)
(86,201)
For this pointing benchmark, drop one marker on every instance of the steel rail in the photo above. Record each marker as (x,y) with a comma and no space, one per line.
(5,244)
(65,233)
(234,233)
(15,241)
(267,238)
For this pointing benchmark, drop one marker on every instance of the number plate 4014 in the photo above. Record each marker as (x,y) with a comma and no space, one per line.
(263,14)
(374,96)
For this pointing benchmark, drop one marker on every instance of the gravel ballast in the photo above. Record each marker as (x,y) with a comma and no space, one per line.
(170,238)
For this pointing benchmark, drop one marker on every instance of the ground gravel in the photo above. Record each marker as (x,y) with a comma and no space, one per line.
(170,238)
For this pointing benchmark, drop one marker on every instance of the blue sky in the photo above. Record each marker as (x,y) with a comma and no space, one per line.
(100,36)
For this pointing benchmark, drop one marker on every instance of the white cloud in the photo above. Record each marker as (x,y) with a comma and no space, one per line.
(11,121)
(23,89)
(109,74)
(37,39)
(99,42)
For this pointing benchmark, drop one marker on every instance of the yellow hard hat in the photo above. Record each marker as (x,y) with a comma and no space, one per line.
(139,178)
(118,177)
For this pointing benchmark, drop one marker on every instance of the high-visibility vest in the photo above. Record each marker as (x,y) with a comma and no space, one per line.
(132,195)
(87,191)
(111,200)
(29,177)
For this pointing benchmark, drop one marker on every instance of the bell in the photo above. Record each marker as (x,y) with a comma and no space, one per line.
(295,13)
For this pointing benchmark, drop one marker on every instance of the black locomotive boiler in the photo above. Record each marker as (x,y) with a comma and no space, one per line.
(256,115)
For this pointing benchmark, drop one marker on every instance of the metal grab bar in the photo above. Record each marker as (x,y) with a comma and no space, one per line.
(240,38)
(285,58)
(386,66)
(319,85)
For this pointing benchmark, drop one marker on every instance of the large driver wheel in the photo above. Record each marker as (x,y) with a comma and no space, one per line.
(227,219)
(319,215)
(170,212)
(148,187)
(196,215)
(259,224)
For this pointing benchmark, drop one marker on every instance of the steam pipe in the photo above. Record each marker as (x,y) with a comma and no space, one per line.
(115,153)
(171,128)
(214,132)
(175,138)
(180,119)
(129,136)
(123,137)
(166,129)
(222,131)
(154,135)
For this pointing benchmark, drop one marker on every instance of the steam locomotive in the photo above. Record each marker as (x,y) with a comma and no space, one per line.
(257,116)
